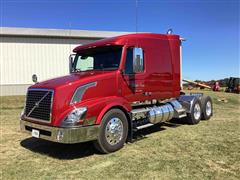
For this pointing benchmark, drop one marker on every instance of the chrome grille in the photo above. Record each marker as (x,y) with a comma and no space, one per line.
(39,104)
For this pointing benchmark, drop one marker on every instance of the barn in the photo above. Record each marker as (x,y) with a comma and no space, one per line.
(44,52)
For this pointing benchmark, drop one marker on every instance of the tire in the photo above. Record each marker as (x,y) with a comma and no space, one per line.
(207,107)
(114,122)
(194,116)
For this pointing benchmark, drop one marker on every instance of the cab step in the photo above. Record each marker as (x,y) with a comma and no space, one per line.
(182,115)
(144,126)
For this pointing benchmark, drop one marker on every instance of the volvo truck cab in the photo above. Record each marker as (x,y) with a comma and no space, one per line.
(116,86)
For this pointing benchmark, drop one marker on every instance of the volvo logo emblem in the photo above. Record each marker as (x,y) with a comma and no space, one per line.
(36,104)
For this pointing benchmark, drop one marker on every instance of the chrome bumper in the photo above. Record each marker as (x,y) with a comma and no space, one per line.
(62,135)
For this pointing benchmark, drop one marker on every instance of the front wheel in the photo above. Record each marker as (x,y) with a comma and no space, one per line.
(113,131)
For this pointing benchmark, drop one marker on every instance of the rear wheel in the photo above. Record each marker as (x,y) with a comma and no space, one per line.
(207,107)
(194,116)
(113,131)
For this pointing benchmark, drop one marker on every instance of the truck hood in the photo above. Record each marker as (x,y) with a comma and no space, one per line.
(65,86)
(75,78)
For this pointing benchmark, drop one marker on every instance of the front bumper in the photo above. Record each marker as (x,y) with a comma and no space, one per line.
(62,135)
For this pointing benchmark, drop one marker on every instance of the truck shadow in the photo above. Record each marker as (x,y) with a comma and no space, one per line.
(81,150)
(175,122)
(59,151)
(142,134)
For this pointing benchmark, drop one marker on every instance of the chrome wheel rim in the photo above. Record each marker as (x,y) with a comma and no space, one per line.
(114,131)
(197,111)
(208,108)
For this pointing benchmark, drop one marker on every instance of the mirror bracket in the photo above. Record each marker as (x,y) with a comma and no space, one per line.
(71,61)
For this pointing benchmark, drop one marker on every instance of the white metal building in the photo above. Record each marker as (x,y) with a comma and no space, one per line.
(44,52)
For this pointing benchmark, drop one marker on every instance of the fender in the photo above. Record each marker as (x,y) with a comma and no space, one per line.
(112,102)
(98,107)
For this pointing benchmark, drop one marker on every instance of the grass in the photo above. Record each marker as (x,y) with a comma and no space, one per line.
(209,150)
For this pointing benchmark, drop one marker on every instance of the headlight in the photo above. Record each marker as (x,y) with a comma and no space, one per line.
(74,117)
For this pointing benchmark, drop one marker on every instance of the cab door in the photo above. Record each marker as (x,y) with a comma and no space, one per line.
(133,75)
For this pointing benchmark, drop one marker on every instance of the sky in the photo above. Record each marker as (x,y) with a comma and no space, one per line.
(211,27)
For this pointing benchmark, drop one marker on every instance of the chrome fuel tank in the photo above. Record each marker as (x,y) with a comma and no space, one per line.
(159,114)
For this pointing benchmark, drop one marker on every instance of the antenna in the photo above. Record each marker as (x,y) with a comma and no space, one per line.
(70,27)
(136,15)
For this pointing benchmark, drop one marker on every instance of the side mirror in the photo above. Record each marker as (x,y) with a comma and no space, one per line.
(138,65)
(34,78)
(71,61)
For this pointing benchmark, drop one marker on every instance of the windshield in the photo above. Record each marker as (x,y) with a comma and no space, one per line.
(101,58)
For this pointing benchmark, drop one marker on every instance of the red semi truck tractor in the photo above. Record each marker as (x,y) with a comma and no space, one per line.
(115,87)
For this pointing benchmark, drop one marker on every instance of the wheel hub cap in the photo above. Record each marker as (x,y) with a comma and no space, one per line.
(114,131)
(208,108)
(197,111)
